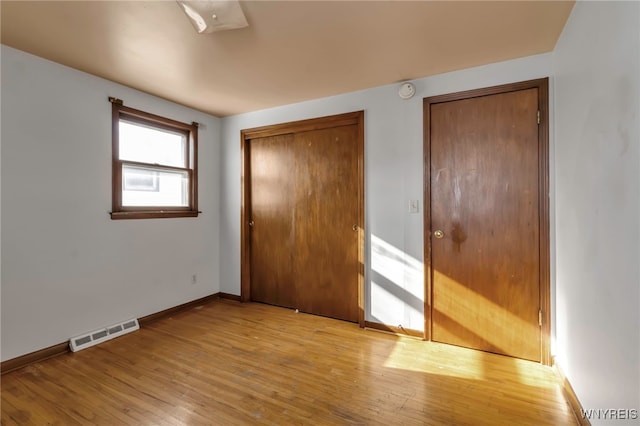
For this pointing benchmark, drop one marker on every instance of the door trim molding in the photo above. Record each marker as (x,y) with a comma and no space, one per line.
(246,135)
(543,196)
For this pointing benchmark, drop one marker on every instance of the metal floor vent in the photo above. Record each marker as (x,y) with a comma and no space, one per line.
(98,336)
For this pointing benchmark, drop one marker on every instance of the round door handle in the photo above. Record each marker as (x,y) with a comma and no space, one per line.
(438,234)
(251,223)
(354,227)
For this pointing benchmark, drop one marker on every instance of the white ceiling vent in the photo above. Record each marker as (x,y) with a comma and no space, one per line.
(101,335)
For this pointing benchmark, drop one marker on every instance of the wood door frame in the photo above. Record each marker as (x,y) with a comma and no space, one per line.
(347,119)
(543,196)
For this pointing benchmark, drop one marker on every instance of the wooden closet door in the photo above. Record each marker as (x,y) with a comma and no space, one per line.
(326,243)
(273,206)
(302,238)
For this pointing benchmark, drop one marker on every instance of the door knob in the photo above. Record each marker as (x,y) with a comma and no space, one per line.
(438,234)
(251,224)
(355,227)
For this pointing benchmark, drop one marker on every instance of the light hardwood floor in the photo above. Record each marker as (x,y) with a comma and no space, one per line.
(228,363)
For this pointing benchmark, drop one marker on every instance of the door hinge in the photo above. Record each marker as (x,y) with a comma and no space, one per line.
(540,317)
(538,116)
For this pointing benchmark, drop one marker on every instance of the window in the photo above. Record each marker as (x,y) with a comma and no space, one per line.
(154,165)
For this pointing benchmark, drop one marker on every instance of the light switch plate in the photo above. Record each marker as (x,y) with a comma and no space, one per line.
(414,206)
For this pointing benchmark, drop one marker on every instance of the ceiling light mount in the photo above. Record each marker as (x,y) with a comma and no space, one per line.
(214,15)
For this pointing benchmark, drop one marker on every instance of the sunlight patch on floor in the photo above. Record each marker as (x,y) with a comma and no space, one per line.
(423,357)
(452,361)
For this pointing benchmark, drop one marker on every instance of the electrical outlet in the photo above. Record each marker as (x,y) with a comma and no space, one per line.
(194,279)
(414,206)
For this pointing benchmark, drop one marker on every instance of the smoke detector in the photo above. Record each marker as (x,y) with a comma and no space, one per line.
(406,91)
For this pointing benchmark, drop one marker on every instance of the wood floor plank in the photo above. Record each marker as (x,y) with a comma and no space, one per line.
(228,363)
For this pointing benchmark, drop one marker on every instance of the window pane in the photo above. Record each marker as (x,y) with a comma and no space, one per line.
(153,187)
(147,145)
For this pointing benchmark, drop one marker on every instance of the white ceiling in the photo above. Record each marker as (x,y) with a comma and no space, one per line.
(292,50)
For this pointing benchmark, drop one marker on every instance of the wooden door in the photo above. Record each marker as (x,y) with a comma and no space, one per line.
(273,203)
(303,216)
(326,254)
(485,234)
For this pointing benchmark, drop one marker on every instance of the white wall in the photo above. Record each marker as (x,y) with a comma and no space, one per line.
(393,176)
(67,268)
(597,92)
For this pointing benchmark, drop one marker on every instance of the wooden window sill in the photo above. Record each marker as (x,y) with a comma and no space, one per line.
(154,214)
